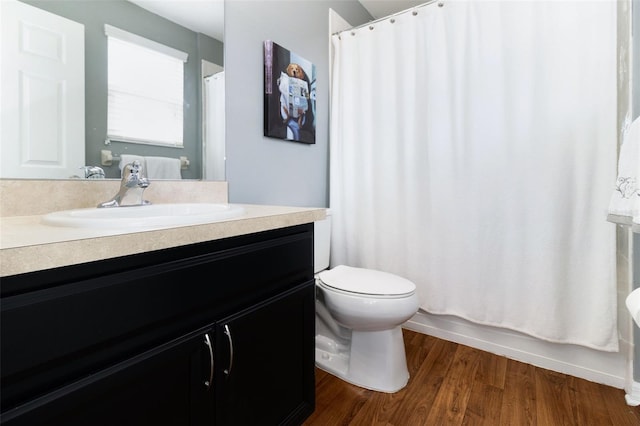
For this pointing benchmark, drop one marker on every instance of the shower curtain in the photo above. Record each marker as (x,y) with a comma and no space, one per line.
(214,127)
(473,148)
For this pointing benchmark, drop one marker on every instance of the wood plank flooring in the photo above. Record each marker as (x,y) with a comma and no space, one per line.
(453,384)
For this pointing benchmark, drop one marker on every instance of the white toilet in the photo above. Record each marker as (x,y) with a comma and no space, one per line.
(359,313)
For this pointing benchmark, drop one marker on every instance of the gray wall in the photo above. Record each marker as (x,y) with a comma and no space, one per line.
(127,16)
(264,170)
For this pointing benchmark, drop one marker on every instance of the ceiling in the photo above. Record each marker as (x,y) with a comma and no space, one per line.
(202,16)
(381,8)
(207,16)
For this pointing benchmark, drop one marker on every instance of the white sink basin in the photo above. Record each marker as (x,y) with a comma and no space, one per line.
(143,217)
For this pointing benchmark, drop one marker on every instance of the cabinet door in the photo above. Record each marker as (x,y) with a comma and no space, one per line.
(169,385)
(265,362)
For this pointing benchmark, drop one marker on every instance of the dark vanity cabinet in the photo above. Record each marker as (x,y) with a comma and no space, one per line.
(216,333)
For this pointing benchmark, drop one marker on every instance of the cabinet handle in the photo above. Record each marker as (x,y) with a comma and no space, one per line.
(228,333)
(207,341)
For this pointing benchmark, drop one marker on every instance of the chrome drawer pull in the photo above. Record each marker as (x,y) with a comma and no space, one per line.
(207,341)
(228,333)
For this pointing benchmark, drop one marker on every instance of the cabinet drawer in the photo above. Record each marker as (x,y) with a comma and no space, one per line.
(54,335)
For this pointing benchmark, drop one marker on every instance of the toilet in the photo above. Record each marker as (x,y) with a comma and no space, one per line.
(359,313)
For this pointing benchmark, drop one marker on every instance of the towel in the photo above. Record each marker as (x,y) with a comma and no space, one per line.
(624,205)
(162,168)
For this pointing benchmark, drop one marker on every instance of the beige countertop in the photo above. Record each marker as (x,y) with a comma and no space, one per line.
(28,245)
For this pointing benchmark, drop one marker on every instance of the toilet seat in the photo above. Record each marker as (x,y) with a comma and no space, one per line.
(366,282)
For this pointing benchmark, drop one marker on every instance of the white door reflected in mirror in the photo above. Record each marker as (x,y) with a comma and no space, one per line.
(42,90)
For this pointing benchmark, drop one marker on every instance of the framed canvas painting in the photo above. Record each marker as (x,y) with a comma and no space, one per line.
(289,95)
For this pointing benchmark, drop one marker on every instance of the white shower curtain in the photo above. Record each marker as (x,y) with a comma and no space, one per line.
(214,127)
(473,149)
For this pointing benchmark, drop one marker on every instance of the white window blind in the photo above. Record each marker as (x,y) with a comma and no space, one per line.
(145,90)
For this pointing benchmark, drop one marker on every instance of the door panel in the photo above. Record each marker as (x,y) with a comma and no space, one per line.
(42,86)
(265,362)
(164,386)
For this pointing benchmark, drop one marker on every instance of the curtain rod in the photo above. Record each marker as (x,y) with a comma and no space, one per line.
(375,21)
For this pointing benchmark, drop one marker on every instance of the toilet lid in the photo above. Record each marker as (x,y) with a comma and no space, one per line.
(366,281)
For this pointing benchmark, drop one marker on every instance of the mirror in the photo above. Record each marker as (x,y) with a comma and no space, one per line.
(191,26)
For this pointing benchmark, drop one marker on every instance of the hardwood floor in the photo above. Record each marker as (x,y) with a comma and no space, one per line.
(453,384)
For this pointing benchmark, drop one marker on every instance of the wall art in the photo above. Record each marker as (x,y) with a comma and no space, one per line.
(289,95)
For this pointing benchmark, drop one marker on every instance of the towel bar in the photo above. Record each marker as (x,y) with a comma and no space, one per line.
(107,158)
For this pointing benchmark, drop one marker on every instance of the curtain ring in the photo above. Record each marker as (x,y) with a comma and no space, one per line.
(414,13)
(392,20)
(440,4)
(353,33)
(371,27)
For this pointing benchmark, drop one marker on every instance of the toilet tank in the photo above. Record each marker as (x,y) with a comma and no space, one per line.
(321,243)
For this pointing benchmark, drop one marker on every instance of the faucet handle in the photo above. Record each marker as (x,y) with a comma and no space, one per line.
(93,172)
(133,175)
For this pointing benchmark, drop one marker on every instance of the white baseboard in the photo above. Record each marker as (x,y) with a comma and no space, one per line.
(607,368)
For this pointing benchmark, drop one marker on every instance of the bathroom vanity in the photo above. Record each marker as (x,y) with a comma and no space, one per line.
(217,331)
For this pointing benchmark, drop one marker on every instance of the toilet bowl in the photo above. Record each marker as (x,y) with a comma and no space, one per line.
(359,313)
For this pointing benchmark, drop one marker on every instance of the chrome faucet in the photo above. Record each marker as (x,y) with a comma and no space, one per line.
(132,186)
